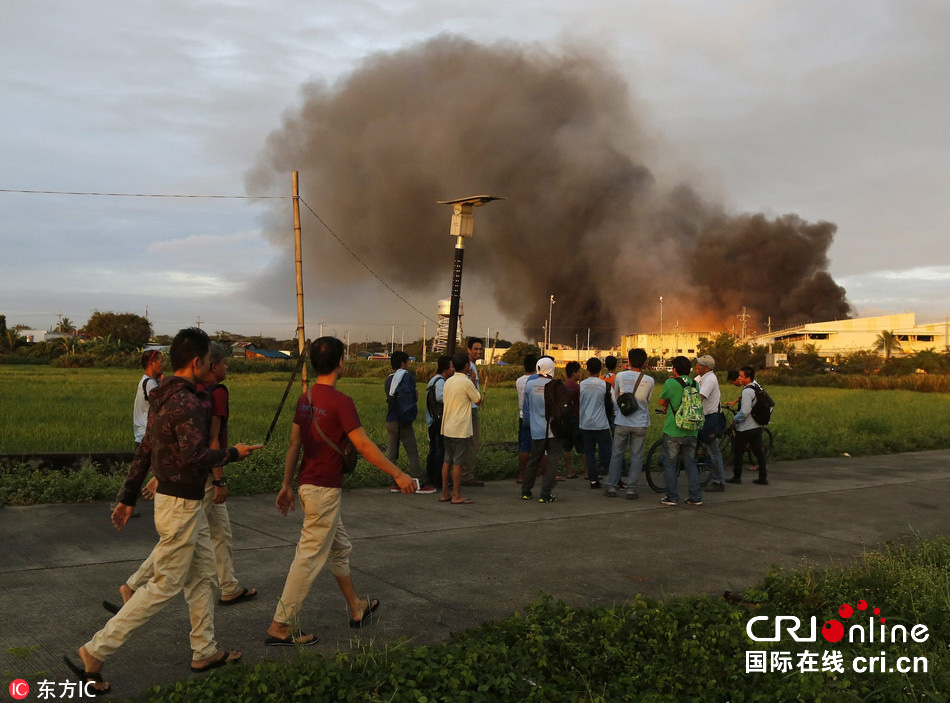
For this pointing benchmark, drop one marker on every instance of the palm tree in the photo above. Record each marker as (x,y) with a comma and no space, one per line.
(65,325)
(887,342)
(11,340)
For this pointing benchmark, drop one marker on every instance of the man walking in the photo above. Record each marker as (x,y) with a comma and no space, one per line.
(325,418)
(748,431)
(175,449)
(631,429)
(711,432)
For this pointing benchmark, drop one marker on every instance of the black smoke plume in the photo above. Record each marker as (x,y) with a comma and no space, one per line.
(586,220)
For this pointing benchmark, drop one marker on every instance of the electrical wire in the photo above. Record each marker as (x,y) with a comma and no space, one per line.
(361,262)
(146,195)
(227,197)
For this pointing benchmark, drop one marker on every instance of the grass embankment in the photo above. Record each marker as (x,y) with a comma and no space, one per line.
(687,649)
(81,410)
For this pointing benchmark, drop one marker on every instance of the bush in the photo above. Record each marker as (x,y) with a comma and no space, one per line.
(684,649)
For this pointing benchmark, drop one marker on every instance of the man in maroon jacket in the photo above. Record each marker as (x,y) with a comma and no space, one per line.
(175,448)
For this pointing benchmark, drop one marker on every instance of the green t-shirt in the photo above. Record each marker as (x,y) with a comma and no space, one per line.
(673,393)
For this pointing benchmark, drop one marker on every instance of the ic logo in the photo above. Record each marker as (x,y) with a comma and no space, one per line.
(19,689)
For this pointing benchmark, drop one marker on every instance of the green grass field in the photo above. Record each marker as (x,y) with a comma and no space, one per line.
(45,409)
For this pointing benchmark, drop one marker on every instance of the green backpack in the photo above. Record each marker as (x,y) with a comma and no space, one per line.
(689,415)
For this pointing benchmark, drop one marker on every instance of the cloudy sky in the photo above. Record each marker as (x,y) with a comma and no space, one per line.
(835,111)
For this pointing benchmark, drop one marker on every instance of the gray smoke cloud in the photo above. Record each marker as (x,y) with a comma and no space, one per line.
(586,219)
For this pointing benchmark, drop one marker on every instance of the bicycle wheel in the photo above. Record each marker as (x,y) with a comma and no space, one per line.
(768,442)
(653,468)
(702,464)
(725,447)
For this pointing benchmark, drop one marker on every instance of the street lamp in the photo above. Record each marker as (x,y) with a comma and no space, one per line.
(463,225)
(550,313)
(661,332)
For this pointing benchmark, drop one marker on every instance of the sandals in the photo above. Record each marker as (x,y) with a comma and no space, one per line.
(294,639)
(365,618)
(223,658)
(245,594)
(86,677)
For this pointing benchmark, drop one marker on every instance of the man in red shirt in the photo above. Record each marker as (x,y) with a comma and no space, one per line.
(319,485)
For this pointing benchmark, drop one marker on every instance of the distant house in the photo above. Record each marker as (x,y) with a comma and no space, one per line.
(251,352)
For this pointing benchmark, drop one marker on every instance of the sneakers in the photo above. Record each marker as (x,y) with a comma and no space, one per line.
(715,488)
(761,481)
(549,498)
(596,484)
(690,501)
(610,492)
(526,495)
(632,496)
(667,501)
(734,479)
(425,490)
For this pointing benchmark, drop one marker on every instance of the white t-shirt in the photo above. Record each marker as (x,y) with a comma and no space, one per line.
(624,383)
(519,386)
(709,390)
(140,406)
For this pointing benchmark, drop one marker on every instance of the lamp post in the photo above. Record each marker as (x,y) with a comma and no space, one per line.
(463,225)
(661,332)
(550,313)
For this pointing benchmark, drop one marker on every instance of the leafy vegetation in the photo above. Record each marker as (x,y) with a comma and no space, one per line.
(683,649)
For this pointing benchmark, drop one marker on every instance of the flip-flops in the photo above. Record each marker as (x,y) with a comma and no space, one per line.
(466,501)
(294,639)
(224,658)
(367,611)
(87,677)
(246,594)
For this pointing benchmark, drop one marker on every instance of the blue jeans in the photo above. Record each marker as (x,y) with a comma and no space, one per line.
(714,458)
(601,440)
(675,448)
(635,437)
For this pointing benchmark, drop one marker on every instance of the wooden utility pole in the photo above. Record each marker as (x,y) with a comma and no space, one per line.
(301,340)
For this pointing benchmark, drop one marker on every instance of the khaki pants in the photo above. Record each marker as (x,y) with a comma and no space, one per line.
(183,560)
(322,538)
(219,524)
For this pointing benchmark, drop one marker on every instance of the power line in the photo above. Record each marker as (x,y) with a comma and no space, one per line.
(224,197)
(145,195)
(363,263)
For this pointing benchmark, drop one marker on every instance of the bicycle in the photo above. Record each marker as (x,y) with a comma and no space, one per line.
(653,467)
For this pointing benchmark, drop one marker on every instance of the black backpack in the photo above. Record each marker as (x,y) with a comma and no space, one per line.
(557,408)
(435,407)
(762,405)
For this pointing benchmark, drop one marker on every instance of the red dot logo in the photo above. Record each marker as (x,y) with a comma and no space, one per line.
(832,631)
(19,689)
(845,611)
(862,605)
